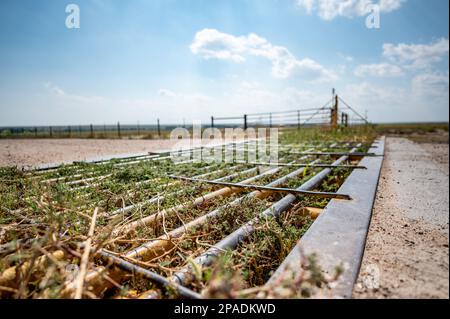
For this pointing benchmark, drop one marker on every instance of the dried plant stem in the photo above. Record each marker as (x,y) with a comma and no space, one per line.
(85,257)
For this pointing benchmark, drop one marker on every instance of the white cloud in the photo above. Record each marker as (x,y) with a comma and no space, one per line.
(330,9)
(166,93)
(187,99)
(57,91)
(417,56)
(425,100)
(369,92)
(378,70)
(213,44)
(347,58)
(54,89)
(169,106)
(308,5)
(378,100)
(432,84)
(252,97)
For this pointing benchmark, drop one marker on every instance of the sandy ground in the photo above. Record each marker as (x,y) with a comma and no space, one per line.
(407,252)
(34,152)
(31,152)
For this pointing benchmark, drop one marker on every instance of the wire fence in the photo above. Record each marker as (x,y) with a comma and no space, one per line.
(334,113)
(88,131)
(329,114)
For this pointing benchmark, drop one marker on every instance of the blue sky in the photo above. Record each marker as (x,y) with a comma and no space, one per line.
(189,59)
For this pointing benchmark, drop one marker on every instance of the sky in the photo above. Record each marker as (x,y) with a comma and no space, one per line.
(182,60)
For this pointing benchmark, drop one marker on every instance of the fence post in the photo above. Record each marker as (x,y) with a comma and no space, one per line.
(334,113)
(51,131)
(270,120)
(159,128)
(70,131)
(346,120)
(212,121)
(35,132)
(298,119)
(92,131)
(118,129)
(245,122)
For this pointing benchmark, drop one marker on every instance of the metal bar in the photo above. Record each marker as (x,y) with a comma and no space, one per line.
(359,154)
(231,241)
(354,111)
(266,188)
(345,224)
(154,199)
(87,180)
(230,177)
(322,108)
(43,169)
(288,111)
(193,149)
(228,118)
(150,158)
(149,249)
(154,245)
(224,192)
(163,244)
(332,145)
(299,147)
(303,165)
(127,266)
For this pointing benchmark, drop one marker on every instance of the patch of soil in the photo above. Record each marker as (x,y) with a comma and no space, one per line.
(31,152)
(407,252)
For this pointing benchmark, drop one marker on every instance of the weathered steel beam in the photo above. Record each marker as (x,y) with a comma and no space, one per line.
(354,154)
(267,188)
(303,165)
(127,266)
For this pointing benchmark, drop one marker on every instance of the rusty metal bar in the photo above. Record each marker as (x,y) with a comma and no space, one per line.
(358,154)
(231,241)
(266,188)
(156,199)
(161,244)
(303,165)
(226,191)
(127,266)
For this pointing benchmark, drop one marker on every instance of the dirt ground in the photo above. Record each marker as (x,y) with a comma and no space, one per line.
(34,152)
(407,252)
(31,152)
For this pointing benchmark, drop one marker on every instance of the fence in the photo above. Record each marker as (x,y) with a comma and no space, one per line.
(331,114)
(89,131)
(335,112)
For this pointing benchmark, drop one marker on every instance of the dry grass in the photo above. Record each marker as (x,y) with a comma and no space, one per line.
(47,237)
